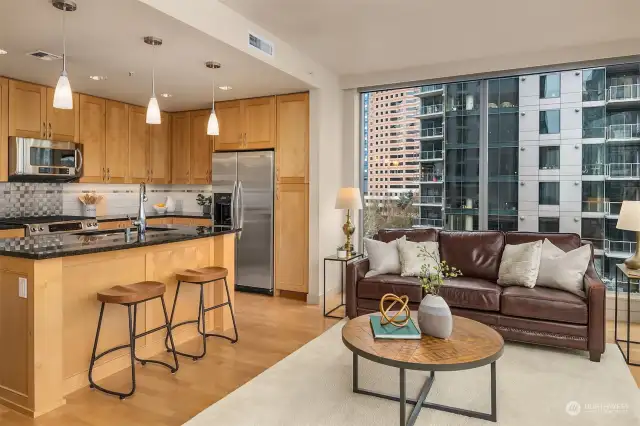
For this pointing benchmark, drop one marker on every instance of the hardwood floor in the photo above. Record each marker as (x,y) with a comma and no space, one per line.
(270,329)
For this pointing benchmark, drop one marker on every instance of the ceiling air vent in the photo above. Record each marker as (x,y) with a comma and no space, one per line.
(44,56)
(261,44)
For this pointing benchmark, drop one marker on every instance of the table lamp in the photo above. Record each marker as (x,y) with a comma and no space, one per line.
(629,220)
(349,199)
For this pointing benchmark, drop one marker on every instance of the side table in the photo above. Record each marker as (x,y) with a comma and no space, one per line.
(343,262)
(625,272)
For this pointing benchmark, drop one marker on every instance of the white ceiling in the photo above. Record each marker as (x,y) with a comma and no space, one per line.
(105,38)
(368,36)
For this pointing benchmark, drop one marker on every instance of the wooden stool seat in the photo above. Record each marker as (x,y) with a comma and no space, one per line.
(202,275)
(132,293)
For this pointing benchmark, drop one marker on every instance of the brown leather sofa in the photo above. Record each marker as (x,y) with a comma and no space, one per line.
(534,315)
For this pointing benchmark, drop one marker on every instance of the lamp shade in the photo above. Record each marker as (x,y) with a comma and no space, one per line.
(629,218)
(213,129)
(153,111)
(62,97)
(349,198)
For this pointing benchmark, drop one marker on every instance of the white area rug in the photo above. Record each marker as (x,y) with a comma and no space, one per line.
(536,386)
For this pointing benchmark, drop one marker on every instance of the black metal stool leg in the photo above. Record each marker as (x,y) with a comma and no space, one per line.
(173,312)
(204,323)
(95,346)
(165,325)
(197,322)
(173,345)
(233,317)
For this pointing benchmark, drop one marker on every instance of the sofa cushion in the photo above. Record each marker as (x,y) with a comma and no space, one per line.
(377,286)
(418,235)
(477,254)
(566,242)
(544,303)
(471,293)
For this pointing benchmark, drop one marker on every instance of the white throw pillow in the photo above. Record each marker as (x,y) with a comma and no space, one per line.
(411,260)
(563,270)
(520,263)
(383,257)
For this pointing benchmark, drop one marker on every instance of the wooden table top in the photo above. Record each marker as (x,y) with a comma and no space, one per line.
(471,345)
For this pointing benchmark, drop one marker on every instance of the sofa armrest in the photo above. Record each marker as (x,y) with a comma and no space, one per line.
(596,300)
(355,272)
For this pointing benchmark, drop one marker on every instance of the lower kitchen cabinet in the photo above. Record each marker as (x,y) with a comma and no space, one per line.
(11,233)
(292,237)
(114,224)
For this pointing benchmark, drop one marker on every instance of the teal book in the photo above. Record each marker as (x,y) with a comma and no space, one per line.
(390,331)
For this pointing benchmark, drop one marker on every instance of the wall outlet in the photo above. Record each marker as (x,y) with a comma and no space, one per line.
(22,287)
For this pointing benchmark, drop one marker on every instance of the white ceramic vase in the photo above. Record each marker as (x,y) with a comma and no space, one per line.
(434,317)
(89,210)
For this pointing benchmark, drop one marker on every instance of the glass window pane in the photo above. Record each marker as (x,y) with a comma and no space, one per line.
(548,224)
(593,85)
(550,122)
(550,86)
(593,159)
(549,157)
(593,122)
(549,193)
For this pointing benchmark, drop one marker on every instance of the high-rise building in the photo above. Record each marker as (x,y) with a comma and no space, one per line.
(391,144)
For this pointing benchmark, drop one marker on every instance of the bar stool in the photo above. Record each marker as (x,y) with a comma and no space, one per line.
(202,276)
(130,296)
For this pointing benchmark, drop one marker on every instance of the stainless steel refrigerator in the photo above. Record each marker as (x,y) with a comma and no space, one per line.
(248,177)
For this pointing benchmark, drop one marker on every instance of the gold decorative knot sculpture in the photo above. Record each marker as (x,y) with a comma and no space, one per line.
(404,309)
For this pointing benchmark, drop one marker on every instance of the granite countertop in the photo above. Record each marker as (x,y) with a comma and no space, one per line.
(63,245)
(153,215)
(4,227)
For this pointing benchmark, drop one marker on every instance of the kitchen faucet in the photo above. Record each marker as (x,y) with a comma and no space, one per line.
(141,222)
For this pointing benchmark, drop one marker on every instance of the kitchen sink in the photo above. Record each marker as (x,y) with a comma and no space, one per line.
(122,231)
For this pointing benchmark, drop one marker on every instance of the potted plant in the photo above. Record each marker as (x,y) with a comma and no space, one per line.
(205,202)
(434,315)
(342,252)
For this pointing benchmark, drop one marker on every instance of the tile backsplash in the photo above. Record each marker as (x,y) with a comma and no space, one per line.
(46,199)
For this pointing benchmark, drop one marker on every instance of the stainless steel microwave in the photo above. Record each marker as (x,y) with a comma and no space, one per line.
(37,160)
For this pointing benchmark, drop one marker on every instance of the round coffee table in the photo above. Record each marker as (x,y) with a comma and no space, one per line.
(471,345)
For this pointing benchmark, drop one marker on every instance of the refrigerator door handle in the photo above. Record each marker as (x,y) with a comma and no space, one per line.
(234,199)
(241,207)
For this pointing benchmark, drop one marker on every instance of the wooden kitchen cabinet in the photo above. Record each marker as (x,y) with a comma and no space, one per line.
(292,138)
(114,224)
(246,124)
(62,124)
(11,233)
(139,170)
(191,221)
(180,134)
(4,129)
(92,138)
(200,148)
(160,150)
(292,237)
(117,142)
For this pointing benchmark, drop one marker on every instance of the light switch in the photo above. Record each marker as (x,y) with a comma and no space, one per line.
(22,287)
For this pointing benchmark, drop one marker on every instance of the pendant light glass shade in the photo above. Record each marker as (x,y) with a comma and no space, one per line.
(62,97)
(153,111)
(212,126)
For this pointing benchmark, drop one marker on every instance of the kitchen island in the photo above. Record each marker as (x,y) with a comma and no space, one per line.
(49,311)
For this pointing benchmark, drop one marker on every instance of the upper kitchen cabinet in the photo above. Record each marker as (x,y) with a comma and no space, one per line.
(292,141)
(139,165)
(31,114)
(92,138)
(4,129)
(160,150)
(117,142)
(246,124)
(200,148)
(180,149)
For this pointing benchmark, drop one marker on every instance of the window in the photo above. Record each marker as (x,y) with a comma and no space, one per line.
(548,224)
(550,122)
(549,193)
(593,85)
(549,157)
(550,86)
(593,122)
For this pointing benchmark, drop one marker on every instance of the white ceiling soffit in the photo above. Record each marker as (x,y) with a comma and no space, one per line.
(361,37)
(105,38)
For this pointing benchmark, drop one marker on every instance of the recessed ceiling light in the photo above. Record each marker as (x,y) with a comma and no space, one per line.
(166,95)
(225,88)
(3,52)
(98,77)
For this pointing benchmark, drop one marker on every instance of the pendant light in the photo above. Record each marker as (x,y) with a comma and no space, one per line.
(213,129)
(62,97)
(153,109)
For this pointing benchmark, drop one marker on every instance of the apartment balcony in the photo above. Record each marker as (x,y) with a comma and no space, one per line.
(430,111)
(424,222)
(593,169)
(623,95)
(594,208)
(431,133)
(612,209)
(430,177)
(619,249)
(623,133)
(431,90)
(431,156)
(622,171)
(428,201)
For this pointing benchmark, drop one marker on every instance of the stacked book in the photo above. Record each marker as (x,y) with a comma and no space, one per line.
(389,331)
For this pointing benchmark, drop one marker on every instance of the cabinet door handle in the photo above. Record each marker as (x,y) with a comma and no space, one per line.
(44,129)
(108,173)
(104,174)
(278,174)
(245,140)
(50,132)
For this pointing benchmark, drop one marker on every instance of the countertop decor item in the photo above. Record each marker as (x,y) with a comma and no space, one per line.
(348,199)
(160,208)
(629,220)
(205,202)
(89,202)
(401,317)
(434,315)
(342,253)
(170,204)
